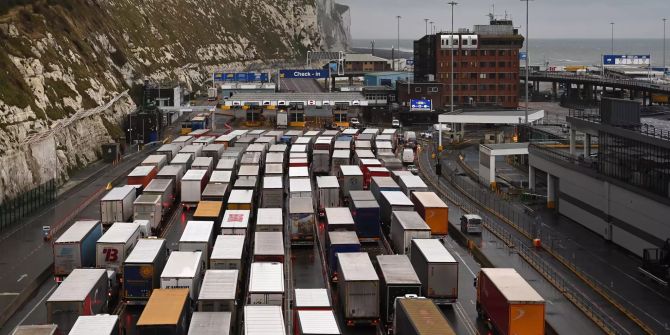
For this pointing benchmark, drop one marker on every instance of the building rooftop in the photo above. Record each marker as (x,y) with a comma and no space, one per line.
(353,57)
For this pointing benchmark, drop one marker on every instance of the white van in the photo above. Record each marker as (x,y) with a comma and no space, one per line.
(471,224)
(407,156)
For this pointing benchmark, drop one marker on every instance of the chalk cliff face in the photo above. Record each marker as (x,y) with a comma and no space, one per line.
(65,66)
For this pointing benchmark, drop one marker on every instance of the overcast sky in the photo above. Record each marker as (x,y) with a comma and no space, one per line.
(548,18)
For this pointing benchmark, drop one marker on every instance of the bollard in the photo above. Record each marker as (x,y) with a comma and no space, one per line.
(537,243)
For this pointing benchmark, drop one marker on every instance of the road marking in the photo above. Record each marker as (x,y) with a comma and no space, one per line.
(4,294)
(23,276)
(37,305)
(466,264)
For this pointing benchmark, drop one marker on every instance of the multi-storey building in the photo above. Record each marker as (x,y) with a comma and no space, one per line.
(485,64)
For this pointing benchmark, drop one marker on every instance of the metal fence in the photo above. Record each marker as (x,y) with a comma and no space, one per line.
(13,210)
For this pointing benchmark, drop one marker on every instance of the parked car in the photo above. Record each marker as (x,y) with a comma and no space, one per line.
(471,224)
(413,169)
(354,122)
(427,135)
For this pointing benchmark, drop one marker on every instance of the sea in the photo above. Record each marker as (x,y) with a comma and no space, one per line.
(557,51)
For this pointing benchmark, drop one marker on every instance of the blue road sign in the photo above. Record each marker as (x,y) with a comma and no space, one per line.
(627,59)
(265,77)
(218,77)
(409,62)
(523,56)
(229,76)
(306,74)
(242,76)
(420,105)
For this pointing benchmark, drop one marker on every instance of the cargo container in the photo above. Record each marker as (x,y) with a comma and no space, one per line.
(311,299)
(268,246)
(273,192)
(367,218)
(169,150)
(510,304)
(437,269)
(317,322)
(351,179)
(342,144)
(75,248)
(302,220)
(182,141)
(167,312)
(164,188)
(252,158)
(298,172)
(96,324)
(270,219)
(248,183)
(235,222)
(398,278)
(183,160)
(412,183)
(275,158)
(339,158)
(244,141)
(257,146)
(183,269)
(274,170)
(226,164)
(358,288)
(294,134)
(300,187)
(299,148)
(339,219)
(214,151)
(83,292)
(209,211)
(203,163)
(215,192)
(328,189)
(219,292)
(227,253)
(198,236)
(263,320)
(221,177)
(211,323)
(340,242)
(384,146)
(174,173)
(379,184)
(192,184)
(36,330)
(419,316)
(365,165)
(321,161)
(405,226)
(266,284)
(157,161)
(393,201)
(241,199)
(142,270)
(194,150)
(117,204)
(361,154)
(433,210)
(363,145)
(233,153)
(248,171)
(115,245)
(149,207)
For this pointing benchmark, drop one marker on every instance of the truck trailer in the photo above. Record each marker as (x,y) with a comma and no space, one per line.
(115,245)
(437,269)
(183,269)
(266,284)
(142,270)
(301,221)
(433,210)
(228,253)
(419,316)
(406,226)
(167,312)
(117,205)
(398,279)
(358,288)
(218,292)
(75,248)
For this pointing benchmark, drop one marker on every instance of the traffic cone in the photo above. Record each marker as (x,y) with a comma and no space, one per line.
(109,186)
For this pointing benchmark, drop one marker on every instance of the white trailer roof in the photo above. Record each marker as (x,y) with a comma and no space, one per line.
(429,199)
(118,193)
(384,137)
(412,181)
(313,133)
(119,232)
(397,198)
(210,323)
(433,250)
(154,159)
(240,196)
(301,205)
(266,277)
(300,185)
(343,145)
(297,155)
(221,177)
(265,139)
(274,169)
(362,153)
(202,162)
(341,154)
(351,170)
(182,264)
(311,297)
(269,217)
(371,162)
(268,243)
(343,237)
(173,148)
(356,266)
(410,220)
(339,216)
(225,164)
(77,285)
(248,170)
(94,324)
(274,157)
(77,231)
(397,269)
(389,131)
(257,147)
(384,182)
(383,145)
(197,231)
(318,322)
(204,140)
(350,131)
(158,185)
(235,218)
(298,171)
(171,170)
(147,199)
(183,138)
(145,250)
(181,158)
(219,285)
(361,195)
(273,182)
(371,131)
(294,133)
(378,169)
(278,148)
(298,147)
(263,320)
(214,147)
(327,182)
(512,285)
(194,175)
(228,247)
(191,149)
(362,144)
(256,132)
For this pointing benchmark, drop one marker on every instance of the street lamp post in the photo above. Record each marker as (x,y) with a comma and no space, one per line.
(432,27)
(664,20)
(398,67)
(612,24)
(426,21)
(527,60)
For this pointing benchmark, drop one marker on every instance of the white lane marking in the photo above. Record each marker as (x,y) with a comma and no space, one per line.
(37,305)
(23,276)
(466,264)
(3,294)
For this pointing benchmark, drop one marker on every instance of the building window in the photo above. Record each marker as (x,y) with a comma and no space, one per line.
(482,76)
(501,64)
(464,64)
(464,52)
(492,64)
(501,76)
(417,89)
(501,52)
(473,75)
(482,64)
(474,41)
(432,89)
